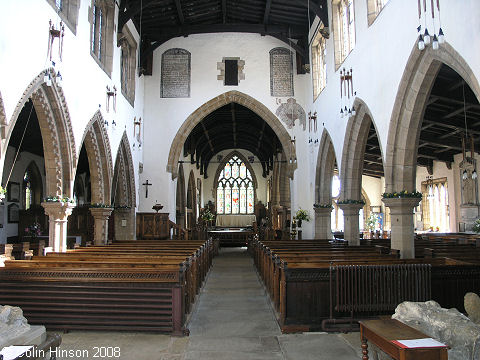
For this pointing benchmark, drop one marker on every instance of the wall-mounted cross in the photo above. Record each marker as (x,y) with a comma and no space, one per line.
(146,184)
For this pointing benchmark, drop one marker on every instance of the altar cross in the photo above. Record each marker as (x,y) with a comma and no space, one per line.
(146,184)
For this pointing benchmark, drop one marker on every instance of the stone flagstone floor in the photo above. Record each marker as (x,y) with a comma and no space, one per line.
(232,320)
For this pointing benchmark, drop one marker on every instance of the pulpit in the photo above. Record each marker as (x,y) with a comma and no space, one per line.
(152,226)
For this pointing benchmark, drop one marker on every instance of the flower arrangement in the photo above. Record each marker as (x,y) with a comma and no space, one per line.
(33,230)
(476,226)
(100,205)
(123,207)
(302,215)
(206,215)
(403,194)
(64,199)
(323,206)
(3,192)
(351,201)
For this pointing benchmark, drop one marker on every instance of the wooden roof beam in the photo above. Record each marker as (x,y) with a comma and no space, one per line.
(224,11)
(180,12)
(268,5)
(320,10)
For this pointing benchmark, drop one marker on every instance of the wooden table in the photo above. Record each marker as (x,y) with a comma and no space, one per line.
(382,332)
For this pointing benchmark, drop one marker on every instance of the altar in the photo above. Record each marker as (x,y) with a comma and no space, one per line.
(237,221)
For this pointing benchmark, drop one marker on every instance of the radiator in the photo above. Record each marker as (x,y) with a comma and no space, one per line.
(375,288)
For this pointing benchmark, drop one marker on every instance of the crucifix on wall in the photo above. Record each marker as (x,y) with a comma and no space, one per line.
(146,184)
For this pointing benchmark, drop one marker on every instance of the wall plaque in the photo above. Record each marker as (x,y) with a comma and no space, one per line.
(176,65)
(281,72)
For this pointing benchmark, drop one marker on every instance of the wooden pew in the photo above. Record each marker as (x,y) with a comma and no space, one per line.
(141,286)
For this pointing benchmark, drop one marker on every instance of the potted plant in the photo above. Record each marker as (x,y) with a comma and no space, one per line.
(476,226)
(33,230)
(300,216)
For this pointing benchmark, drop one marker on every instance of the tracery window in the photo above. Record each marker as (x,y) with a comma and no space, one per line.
(374,8)
(128,65)
(319,64)
(235,190)
(343,29)
(28,192)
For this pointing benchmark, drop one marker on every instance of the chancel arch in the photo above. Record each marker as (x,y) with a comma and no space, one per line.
(362,155)
(123,192)
(326,164)
(220,101)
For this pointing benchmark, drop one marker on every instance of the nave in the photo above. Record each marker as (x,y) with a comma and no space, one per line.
(232,319)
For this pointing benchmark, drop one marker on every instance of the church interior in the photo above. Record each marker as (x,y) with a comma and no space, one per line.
(248,179)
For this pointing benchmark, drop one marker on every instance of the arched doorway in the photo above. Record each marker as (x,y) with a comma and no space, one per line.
(41,117)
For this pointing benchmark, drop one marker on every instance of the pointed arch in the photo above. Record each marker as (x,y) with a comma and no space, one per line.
(224,162)
(326,161)
(99,154)
(36,185)
(217,102)
(410,103)
(56,130)
(191,200)
(353,154)
(124,190)
(181,203)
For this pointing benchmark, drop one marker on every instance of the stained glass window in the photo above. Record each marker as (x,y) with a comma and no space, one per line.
(235,191)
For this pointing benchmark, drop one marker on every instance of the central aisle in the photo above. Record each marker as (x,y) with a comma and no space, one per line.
(233,320)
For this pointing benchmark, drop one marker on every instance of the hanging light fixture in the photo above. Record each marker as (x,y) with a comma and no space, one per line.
(426,38)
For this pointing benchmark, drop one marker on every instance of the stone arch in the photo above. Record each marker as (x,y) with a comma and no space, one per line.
(97,145)
(123,190)
(181,203)
(191,200)
(325,166)
(356,137)
(410,103)
(217,102)
(56,129)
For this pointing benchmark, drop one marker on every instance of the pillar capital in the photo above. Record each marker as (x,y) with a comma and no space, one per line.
(58,210)
(350,209)
(58,213)
(350,223)
(401,218)
(322,211)
(100,216)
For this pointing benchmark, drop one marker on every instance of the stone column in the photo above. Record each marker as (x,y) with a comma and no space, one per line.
(323,223)
(401,218)
(58,213)
(352,229)
(100,232)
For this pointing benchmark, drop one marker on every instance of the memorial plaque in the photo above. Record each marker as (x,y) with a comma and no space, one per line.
(281,72)
(175,74)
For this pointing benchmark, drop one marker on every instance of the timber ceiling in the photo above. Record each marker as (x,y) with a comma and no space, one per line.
(232,126)
(443,124)
(161,20)
(32,140)
(442,128)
